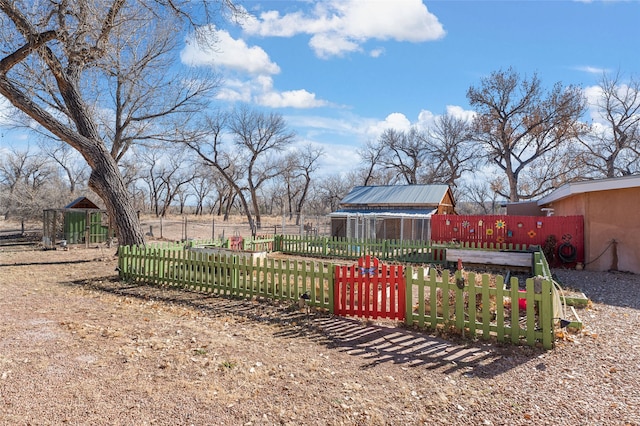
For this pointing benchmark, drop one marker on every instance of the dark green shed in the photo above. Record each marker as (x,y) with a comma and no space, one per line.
(79,222)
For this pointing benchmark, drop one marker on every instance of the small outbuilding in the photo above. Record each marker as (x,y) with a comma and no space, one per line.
(611,229)
(400,212)
(81,221)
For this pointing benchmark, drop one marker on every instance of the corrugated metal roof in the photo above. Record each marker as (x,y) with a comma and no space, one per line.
(417,213)
(396,195)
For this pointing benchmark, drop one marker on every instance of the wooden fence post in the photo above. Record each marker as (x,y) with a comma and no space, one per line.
(408,296)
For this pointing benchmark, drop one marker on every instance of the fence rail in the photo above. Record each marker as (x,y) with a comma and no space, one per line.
(229,275)
(349,248)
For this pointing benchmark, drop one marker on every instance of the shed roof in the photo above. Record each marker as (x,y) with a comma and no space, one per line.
(386,213)
(574,188)
(396,195)
(81,203)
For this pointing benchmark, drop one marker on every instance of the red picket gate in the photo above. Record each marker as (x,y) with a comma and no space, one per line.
(370,289)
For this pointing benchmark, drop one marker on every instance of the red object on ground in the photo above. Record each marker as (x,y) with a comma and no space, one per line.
(522,302)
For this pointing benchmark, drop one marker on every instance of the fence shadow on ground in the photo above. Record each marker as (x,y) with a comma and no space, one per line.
(385,343)
(374,343)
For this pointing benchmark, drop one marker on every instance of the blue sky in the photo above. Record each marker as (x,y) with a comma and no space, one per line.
(342,71)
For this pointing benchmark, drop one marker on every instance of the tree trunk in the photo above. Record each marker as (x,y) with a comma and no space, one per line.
(303,198)
(611,166)
(254,201)
(513,189)
(105,178)
(107,182)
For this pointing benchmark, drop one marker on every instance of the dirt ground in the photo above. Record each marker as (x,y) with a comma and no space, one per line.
(79,347)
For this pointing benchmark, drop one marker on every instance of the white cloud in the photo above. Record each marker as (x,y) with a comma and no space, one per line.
(346,125)
(398,121)
(230,53)
(395,120)
(291,98)
(592,70)
(327,45)
(338,159)
(426,119)
(376,53)
(6,112)
(461,113)
(593,94)
(340,26)
(342,135)
(259,90)
(234,59)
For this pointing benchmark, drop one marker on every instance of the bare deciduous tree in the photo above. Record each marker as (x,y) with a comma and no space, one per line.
(518,123)
(165,176)
(371,155)
(261,136)
(450,149)
(297,172)
(203,186)
(58,61)
(478,197)
(334,188)
(613,148)
(251,160)
(441,153)
(229,163)
(28,183)
(69,161)
(404,153)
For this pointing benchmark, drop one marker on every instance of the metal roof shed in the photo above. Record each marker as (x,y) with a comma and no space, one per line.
(399,212)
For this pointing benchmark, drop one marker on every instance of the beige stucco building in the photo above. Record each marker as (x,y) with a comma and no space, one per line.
(610,208)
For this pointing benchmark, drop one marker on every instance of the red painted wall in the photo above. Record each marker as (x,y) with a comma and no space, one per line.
(523,230)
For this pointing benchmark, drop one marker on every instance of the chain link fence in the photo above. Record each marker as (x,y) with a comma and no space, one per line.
(199,228)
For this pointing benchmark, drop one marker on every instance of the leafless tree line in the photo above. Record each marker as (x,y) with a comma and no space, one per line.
(245,161)
(103,77)
(528,141)
(170,178)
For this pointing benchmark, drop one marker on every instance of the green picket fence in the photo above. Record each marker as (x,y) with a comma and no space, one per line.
(475,305)
(541,266)
(348,248)
(259,243)
(228,274)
